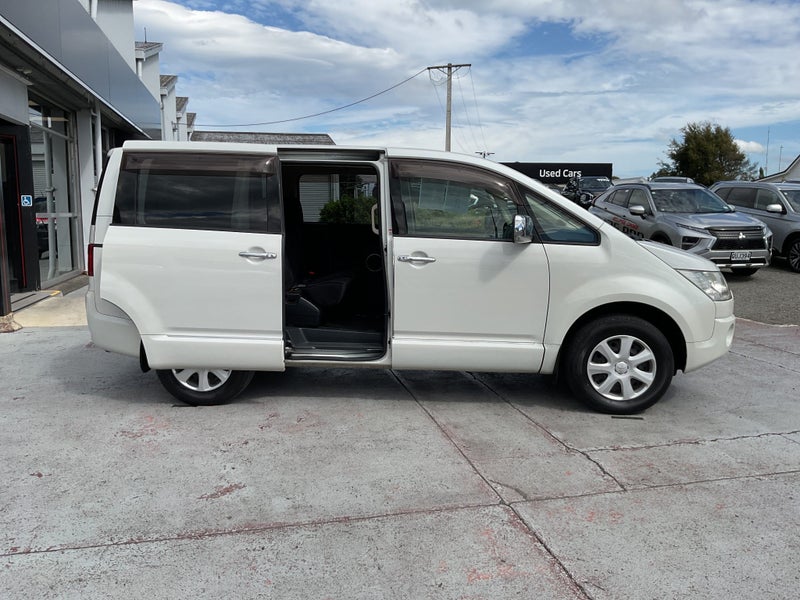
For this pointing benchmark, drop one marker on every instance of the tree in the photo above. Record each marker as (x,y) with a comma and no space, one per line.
(708,153)
(348,210)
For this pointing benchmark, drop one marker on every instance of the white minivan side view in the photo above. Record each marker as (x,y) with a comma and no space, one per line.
(210,261)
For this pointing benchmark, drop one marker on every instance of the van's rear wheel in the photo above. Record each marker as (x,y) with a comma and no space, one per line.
(204,387)
(619,364)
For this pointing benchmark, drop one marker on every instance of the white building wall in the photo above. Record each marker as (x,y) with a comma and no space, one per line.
(115,18)
(13,97)
(169,115)
(151,76)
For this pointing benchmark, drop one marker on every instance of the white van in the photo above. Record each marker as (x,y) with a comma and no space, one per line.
(209,261)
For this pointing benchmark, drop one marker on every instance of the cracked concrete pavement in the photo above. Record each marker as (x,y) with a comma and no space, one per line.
(377,484)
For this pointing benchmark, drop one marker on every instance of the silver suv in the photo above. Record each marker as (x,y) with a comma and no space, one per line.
(689,217)
(776,204)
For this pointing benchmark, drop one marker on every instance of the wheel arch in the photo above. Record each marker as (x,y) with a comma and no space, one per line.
(789,241)
(657,317)
(661,237)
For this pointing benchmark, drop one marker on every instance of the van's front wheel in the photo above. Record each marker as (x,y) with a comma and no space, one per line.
(619,364)
(204,387)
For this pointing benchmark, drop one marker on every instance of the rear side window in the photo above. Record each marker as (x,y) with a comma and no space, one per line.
(744,197)
(183,190)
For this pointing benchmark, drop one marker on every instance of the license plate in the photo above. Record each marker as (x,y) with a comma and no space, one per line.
(740,255)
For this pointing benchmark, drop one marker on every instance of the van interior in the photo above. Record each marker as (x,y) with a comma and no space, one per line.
(335,289)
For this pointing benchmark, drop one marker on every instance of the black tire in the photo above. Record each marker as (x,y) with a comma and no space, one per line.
(793,255)
(743,270)
(204,387)
(661,239)
(631,364)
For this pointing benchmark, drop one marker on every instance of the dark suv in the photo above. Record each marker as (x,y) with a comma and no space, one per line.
(776,204)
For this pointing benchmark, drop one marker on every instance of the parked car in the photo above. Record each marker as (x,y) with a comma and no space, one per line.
(582,190)
(689,217)
(208,261)
(776,204)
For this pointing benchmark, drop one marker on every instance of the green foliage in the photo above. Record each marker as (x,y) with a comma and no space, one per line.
(348,210)
(707,153)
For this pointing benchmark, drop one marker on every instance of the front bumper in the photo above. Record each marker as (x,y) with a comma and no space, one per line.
(699,354)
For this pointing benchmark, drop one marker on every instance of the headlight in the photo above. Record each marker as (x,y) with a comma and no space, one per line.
(712,283)
(705,232)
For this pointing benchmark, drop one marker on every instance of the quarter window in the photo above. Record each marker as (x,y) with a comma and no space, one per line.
(196,191)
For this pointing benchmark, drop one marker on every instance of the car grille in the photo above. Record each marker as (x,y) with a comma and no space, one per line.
(738,239)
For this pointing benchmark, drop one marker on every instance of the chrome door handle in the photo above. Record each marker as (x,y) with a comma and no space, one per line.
(261,255)
(411,259)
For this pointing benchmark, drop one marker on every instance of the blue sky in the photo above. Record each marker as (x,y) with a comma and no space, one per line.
(550,81)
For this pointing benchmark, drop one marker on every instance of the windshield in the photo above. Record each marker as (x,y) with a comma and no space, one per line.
(689,201)
(595,183)
(793,198)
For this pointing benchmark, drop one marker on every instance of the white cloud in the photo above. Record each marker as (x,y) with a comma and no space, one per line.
(750,147)
(613,81)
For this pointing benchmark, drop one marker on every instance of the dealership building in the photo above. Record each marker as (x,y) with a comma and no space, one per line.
(73,84)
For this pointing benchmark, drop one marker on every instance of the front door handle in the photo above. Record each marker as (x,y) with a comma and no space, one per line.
(411,259)
(257,254)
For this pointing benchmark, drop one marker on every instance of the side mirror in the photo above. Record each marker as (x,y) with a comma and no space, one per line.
(637,210)
(775,208)
(523,229)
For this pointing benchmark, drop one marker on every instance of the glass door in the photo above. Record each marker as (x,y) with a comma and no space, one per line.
(55,200)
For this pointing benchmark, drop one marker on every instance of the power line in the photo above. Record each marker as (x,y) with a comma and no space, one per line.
(324,112)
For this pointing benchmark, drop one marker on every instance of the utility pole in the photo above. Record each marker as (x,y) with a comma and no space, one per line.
(448,68)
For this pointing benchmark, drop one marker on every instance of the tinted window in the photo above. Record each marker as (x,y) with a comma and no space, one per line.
(744,197)
(620,197)
(595,184)
(723,193)
(554,224)
(452,201)
(196,191)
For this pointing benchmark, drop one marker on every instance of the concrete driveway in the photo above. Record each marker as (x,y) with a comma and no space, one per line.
(377,484)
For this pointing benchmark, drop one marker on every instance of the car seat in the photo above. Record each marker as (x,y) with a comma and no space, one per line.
(307,296)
